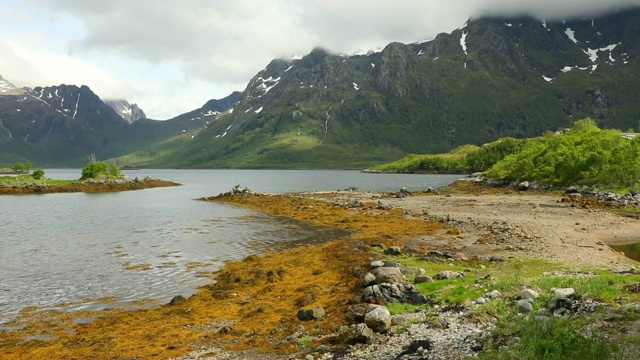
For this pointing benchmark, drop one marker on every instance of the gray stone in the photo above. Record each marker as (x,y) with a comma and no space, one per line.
(378,319)
(422,279)
(481,301)
(369,279)
(563,293)
(389,275)
(529,294)
(316,313)
(525,305)
(571,189)
(445,275)
(556,304)
(393,250)
(495,294)
(497,258)
(358,334)
(523,185)
(377,264)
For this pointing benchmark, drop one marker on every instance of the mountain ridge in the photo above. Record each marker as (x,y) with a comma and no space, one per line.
(493,77)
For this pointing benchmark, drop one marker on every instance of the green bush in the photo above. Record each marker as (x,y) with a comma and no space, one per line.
(38,174)
(585,155)
(100,168)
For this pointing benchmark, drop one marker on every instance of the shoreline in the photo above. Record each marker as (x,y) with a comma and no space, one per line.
(86,187)
(250,311)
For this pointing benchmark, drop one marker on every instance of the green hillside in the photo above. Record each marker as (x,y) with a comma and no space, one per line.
(518,78)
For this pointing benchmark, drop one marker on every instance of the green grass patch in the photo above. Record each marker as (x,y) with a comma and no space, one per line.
(554,338)
(22,180)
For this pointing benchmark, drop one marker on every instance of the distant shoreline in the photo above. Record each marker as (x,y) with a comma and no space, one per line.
(84,187)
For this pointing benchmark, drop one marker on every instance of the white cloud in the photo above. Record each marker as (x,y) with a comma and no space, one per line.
(171,56)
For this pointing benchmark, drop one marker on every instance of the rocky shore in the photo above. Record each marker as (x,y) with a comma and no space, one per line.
(417,276)
(89,185)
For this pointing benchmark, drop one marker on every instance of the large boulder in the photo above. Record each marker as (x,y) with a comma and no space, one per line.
(391,275)
(378,319)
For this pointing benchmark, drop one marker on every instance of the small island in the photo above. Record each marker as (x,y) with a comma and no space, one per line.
(97,176)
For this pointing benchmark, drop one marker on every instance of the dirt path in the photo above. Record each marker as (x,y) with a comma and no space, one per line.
(517,224)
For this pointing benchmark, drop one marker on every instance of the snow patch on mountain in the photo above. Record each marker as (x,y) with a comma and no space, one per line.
(571,34)
(463,42)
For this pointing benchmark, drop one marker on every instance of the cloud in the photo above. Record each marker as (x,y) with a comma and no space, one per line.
(202,49)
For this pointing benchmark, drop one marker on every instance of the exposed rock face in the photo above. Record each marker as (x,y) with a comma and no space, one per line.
(129,112)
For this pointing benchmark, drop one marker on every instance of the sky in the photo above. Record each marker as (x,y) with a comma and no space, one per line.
(172,56)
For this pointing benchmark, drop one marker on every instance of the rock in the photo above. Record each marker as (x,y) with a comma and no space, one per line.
(557,305)
(541,318)
(316,313)
(495,294)
(393,293)
(393,250)
(379,319)
(525,305)
(369,279)
(410,250)
(481,301)
(563,293)
(177,300)
(309,357)
(571,189)
(497,258)
(391,264)
(460,257)
(528,293)
(523,185)
(389,275)
(445,275)
(422,279)
(358,334)
(575,196)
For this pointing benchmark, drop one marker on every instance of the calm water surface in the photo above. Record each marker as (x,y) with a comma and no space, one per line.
(61,248)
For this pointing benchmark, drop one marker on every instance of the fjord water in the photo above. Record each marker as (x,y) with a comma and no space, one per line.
(67,248)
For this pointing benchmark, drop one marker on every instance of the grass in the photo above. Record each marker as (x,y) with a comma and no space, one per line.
(555,338)
(28,179)
(520,337)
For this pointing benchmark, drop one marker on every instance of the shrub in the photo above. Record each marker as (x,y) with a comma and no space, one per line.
(100,168)
(586,155)
(38,174)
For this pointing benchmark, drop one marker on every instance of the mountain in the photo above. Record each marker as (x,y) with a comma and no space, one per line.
(62,125)
(7,88)
(493,77)
(129,112)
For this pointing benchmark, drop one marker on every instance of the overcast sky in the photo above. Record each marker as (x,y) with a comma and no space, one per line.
(171,56)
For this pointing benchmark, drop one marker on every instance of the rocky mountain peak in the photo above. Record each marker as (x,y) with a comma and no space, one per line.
(7,88)
(129,112)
